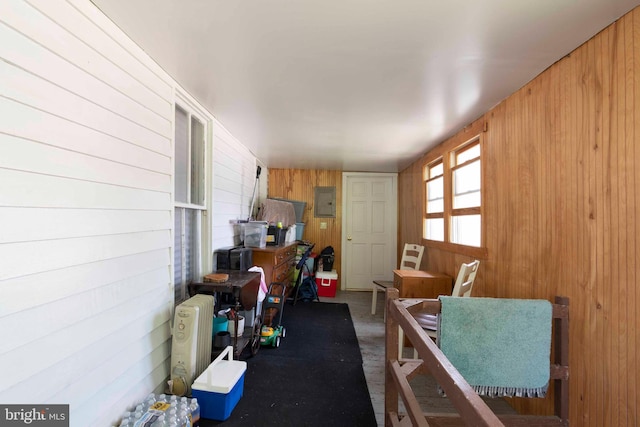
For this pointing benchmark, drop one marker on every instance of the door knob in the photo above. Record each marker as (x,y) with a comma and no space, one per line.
(349,238)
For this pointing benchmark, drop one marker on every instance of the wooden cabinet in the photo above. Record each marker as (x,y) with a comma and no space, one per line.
(421,284)
(278,263)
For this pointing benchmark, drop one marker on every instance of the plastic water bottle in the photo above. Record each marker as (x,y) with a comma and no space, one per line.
(146,404)
(173,412)
(127,420)
(159,422)
(195,412)
(150,400)
(138,414)
(183,416)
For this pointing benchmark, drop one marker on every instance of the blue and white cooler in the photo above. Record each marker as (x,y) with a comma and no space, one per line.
(220,387)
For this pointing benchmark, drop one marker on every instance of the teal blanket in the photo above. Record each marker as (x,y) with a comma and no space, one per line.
(500,346)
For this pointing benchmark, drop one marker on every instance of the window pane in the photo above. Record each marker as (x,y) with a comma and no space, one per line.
(435,195)
(197,162)
(182,156)
(468,154)
(184,252)
(466,230)
(177,254)
(188,249)
(436,170)
(466,186)
(178,240)
(434,229)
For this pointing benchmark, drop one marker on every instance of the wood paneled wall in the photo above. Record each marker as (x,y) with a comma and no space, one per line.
(561,200)
(299,184)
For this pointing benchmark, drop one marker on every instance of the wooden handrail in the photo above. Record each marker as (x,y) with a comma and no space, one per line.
(471,408)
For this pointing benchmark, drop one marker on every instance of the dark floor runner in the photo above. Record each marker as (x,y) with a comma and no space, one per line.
(317,331)
(314,378)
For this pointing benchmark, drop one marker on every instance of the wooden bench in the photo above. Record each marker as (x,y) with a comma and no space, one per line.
(472,410)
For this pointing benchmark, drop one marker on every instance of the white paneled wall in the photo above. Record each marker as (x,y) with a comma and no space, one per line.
(234,170)
(86,210)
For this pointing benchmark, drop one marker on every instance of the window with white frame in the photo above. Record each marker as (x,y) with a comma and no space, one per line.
(190,200)
(453,186)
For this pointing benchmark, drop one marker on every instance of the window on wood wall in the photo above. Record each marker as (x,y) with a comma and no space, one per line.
(189,193)
(453,185)
(434,220)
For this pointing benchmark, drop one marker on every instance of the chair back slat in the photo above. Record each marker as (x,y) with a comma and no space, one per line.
(411,257)
(465,279)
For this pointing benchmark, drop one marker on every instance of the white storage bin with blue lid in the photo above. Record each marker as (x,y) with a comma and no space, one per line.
(220,387)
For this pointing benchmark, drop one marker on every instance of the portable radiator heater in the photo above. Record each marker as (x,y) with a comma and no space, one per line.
(191,344)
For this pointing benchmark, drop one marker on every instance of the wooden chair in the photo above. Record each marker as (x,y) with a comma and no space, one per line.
(462,288)
(411,259)
(472,410)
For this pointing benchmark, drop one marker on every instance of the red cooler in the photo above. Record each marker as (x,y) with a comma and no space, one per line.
(327,282)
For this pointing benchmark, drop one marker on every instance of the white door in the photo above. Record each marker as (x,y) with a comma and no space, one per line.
(369,238)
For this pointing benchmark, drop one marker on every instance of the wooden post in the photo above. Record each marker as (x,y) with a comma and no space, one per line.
(391,356)
(561,357)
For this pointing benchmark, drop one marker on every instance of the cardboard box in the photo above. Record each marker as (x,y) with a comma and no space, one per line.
(327,282)
(220,387)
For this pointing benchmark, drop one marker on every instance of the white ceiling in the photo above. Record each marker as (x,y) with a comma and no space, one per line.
(355,85)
